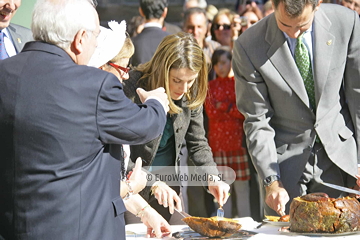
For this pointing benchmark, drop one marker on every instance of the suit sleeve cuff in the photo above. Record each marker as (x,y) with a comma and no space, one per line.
(159,100)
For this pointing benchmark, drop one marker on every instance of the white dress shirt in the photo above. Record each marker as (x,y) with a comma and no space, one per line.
(9,46)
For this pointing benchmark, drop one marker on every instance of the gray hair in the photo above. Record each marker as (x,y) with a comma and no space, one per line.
(295,7)
(57,21)
(200,4)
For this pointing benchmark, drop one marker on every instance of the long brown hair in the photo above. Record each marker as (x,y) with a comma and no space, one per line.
(177,51)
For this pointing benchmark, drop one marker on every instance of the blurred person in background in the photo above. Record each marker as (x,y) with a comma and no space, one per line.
(136,25)
(225,132)
(352,4)
(241,5)
(268,8)
(196,23)
(194,3)
(251,16)
(146,42)
(221,27)
(211,11)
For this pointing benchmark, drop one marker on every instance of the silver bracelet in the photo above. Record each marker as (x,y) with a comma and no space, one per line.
(130,192)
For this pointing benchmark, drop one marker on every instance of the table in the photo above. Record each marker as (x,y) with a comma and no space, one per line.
(265,232)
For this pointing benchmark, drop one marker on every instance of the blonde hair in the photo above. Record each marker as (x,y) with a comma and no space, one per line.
(126,51)
(176,51)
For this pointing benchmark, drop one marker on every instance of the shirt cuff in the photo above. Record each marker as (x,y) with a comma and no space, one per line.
(158,99)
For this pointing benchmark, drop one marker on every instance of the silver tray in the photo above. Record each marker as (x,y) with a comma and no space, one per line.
(286,230)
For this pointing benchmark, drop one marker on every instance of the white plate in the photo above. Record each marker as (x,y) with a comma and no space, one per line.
(286,230)
(276,223)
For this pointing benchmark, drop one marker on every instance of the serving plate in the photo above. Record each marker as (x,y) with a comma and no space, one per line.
(276,223)
(286,230)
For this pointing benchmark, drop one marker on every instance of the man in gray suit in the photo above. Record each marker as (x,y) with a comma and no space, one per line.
(62,126)
(15,36)
(301,135)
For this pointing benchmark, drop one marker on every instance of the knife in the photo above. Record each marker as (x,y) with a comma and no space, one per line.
(341,188)
(182,213)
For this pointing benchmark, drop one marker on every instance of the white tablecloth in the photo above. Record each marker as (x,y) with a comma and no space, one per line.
(265,232)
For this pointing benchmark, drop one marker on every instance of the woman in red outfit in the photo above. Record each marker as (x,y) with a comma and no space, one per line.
(225,131)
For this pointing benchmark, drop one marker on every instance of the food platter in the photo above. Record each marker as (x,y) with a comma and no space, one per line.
(275,220)
(286,230)
(276,223)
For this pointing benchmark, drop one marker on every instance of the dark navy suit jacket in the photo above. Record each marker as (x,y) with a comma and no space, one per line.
(146,44)
(62,126)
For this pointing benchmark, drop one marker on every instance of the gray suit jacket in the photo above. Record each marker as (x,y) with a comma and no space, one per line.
(20,35)
(279,125)
(187,125)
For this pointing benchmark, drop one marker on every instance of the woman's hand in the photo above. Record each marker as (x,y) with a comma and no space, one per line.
(166,196)
(219,189)
(156,225)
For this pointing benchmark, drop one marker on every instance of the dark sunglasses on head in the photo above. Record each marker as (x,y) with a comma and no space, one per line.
(126,70)
(225,26)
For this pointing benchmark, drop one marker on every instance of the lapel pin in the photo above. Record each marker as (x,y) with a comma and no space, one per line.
(329,42)
(19,40)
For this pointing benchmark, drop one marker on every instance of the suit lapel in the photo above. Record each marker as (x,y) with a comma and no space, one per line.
(324,43)
(280,56)
(17,40)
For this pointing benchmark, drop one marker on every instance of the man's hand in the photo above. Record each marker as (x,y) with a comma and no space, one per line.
(166,196)
(157,226)
(138,177)
(219,189)
(356,187)
(358,181)
(158,94)
(276,197)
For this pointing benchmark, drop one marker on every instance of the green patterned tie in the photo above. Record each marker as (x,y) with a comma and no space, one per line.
(303,63)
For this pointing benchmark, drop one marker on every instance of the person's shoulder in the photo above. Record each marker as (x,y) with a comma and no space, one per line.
(147,34)
(19,27)
(172,28)
(333,7)
(20,30)
(95,73)
(131,84)
(134,76)
(211,43)
(338,16)
(255,35)
(154,30)
(335,10)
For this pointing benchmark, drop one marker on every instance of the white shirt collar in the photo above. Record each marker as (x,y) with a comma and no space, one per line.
(152,24)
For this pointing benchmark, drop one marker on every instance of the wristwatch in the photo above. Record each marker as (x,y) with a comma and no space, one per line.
(270,179)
